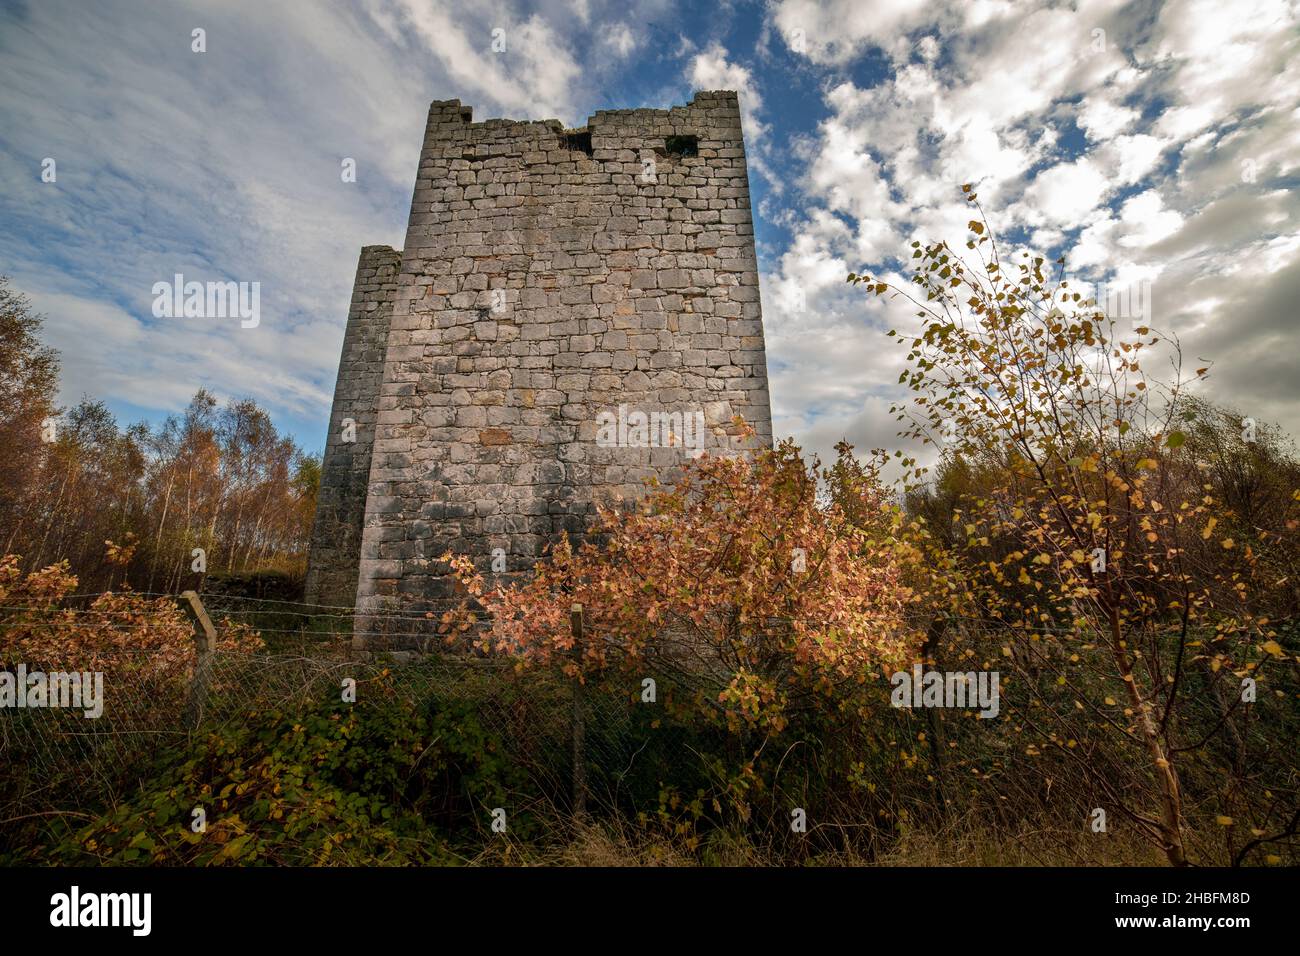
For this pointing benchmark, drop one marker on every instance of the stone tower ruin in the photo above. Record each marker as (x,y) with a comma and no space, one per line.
(574,311)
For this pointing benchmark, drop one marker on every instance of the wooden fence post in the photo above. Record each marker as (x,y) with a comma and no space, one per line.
(205,643)
(579,721)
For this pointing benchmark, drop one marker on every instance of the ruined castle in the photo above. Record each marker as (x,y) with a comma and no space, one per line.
(574,311)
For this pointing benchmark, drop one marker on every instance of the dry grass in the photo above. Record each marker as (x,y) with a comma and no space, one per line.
(963,842)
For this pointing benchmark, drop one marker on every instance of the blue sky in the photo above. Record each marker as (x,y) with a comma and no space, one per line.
(1157,142)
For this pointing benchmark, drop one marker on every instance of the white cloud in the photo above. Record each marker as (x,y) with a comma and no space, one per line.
(834,32)
(534,74)
(620,39)
(1102,119)
(1198,89)
(1065,194)
(1128,159)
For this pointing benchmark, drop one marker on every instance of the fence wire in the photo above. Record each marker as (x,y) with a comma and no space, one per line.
(169,686)
(542,719)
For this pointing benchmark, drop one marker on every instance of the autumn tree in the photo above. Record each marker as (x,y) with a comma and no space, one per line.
(89,490)
(733,577)
(1092,538)
(29,378)
(215,488)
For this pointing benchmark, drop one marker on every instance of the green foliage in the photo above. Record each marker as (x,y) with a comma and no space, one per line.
(382,782)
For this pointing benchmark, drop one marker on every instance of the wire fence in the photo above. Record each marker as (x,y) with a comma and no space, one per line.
(161,675)
(574,742)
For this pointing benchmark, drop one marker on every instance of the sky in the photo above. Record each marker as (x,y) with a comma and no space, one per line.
(1155,144)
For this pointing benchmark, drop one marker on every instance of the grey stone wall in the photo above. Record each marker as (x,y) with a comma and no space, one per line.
(345,468)
(550,277)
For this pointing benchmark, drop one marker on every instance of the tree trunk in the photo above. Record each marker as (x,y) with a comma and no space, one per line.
(162,521)
(1166,778)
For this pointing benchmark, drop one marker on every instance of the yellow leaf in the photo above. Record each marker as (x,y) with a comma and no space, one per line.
(1273,647)
(1223,821)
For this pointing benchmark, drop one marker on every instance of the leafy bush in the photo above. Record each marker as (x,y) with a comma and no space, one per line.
(147,641)
(376,783)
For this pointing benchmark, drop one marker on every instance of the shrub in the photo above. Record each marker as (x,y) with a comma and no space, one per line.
(380,782)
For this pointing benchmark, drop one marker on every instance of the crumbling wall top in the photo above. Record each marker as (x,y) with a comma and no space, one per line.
(444,111)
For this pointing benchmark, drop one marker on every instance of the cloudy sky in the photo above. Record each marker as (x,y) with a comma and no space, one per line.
(1155,142)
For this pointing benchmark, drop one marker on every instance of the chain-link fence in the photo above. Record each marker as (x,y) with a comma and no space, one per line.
(181,695)
(609,741)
